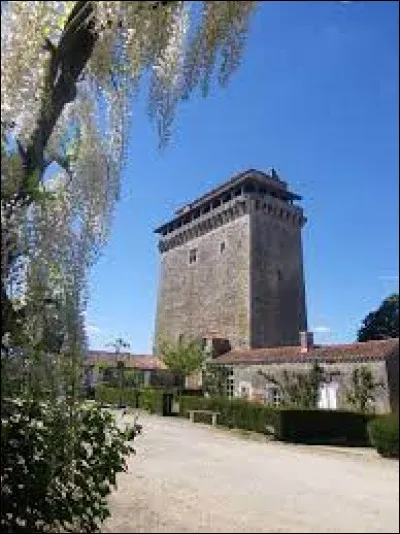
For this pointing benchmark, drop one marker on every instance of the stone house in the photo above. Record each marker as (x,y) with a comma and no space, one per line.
(150,370)
(338,361)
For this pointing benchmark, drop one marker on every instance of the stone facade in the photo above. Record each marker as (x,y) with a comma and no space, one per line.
(341,376)
(231,266)
(338,362)
(278,311)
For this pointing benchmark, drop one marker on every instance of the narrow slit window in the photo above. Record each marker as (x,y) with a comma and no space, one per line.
(193,255)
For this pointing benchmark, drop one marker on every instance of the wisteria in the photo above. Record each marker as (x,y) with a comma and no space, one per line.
(69,73)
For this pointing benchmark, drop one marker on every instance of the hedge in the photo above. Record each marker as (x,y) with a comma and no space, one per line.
(234,413)
(323,427)
(112,395)
(384,435)
(150,399)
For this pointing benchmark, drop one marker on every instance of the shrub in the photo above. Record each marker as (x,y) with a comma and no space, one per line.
(384,434)
(57,466)
(234,413)
(151,399)
(323,427)
(114,395)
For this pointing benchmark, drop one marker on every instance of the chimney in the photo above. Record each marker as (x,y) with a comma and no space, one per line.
(306,341)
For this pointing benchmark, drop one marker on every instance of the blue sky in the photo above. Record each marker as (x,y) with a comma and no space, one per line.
(317,98)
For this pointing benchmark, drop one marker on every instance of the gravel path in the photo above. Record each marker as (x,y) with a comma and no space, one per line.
(193,478)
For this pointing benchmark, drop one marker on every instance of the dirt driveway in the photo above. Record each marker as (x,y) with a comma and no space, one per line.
(193,478)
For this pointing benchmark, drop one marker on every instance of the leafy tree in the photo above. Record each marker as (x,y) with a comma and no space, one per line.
(382,323)
(120,344)
(183,358)
(363,389)
(214,378)
(66,104)
(299,389)
(55,476)
(66,99)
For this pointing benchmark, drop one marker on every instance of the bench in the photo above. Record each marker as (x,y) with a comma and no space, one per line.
(270,432)
(214,415)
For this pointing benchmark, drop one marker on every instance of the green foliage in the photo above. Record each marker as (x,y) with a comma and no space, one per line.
(113,395)
(151,399)
(234,413)
(299,389)
(183,358)
(214,378)
(118,345)
(363,389)
(384,434)
(382,323)
(57,466)
(322,427)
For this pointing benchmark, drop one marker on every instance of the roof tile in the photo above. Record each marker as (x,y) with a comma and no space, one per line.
(369,350)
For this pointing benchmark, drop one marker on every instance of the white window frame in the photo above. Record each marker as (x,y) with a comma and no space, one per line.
(273,395)
(230,384)
(328,395)
(245,384)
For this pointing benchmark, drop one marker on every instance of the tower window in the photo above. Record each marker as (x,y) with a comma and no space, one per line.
(279,275)
(193,255)
(222,247)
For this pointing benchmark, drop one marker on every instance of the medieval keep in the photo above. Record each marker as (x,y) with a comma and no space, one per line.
(232,266)
(232,275)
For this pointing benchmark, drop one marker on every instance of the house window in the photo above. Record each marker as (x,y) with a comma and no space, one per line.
(193,255)
(222,247)
(328,396)
(230,384)
(276,396)
(245,390)
(273,395)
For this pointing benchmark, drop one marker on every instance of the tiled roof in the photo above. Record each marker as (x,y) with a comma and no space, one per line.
(144,362)
(369,350)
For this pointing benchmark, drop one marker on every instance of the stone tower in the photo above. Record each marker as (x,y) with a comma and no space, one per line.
(232,266)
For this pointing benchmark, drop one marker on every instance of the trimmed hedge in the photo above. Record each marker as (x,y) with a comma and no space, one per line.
(112,395)
(384,435)
(323,427)
(150,399)
(234,413)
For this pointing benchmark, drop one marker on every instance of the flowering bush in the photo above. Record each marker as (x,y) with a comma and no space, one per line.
(57,466)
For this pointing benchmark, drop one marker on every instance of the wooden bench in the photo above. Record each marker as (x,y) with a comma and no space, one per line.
(270,432)
(214,415)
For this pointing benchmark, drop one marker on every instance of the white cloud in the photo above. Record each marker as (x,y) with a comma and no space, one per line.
(92,329)
(321,329)
(391,278)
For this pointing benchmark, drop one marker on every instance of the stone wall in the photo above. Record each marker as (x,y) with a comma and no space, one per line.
(392,366)
(278,307)
(247,283)
(210,294)
(342,375)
